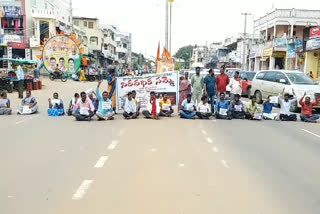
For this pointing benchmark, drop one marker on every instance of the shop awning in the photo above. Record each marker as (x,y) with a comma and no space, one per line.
(23,61)
(263,59)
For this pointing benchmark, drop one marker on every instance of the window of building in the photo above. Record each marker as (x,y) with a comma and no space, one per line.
(85,40)
(76,23)
(34,3)
(94,40)
(85,23)
(90,25)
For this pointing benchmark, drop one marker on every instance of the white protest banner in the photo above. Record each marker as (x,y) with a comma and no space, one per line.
(274,99)
(143,85)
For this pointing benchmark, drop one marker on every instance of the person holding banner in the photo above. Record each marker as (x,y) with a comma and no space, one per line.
(267,108)
(28,105)
(306,109)
(112,88)
(197,86)
(223,108)
(253,110)
(153,107)
(56,107)
(203,108)
(4,104)
(104,111)
(83,109)
(188,108)
(237,108)
(166,109)
(130,107)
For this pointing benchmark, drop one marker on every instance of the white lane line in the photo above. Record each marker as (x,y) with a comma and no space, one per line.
(21,121)
(62,150)
(113,145)
(82,190)
(204,132)
(214,120)
(209,140)
(181,165)
(153,150)
(215,149)
(311,133)
(102,160)
(10,196)
(224,163)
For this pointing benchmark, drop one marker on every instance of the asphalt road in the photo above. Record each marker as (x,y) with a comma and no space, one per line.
(58,165)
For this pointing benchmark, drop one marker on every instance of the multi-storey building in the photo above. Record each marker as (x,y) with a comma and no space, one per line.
(124,47)
(282,38)
(110,44)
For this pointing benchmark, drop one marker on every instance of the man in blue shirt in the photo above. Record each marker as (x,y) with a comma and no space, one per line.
(20,77)
(188,110)
(222,108)
(105,110)
(267,110)
(210,87)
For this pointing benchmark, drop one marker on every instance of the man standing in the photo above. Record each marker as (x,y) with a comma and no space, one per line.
(210,88)
(306,109)
(197,86)
(165,106)
(83,110)
(20,77)
(285,105)
(222,82)
(153,107)
(235,85)
(105,111)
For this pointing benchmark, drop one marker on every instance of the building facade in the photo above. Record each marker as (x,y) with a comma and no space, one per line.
(281,41)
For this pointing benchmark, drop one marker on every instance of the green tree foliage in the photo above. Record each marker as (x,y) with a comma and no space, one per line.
(185,53)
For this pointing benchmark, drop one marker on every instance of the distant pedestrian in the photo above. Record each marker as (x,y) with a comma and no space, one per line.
(20,77)
(197,86)
(311,75)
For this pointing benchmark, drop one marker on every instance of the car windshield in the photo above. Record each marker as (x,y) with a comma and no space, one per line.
(250,76)
(300,78)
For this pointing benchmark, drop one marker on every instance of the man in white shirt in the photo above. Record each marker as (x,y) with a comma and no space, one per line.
(285,105)
(130,108)
(204,109)
(235,85)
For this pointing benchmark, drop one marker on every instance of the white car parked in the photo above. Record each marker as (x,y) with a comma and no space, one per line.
(273,82)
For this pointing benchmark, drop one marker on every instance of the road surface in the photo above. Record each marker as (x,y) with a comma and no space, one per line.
(58,165)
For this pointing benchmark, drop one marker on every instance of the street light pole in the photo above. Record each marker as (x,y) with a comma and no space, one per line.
(170,27)
(244,60)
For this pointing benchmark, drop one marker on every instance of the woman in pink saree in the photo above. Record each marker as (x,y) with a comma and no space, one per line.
(184,88)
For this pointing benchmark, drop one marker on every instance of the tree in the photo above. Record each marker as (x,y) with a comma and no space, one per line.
(185,53)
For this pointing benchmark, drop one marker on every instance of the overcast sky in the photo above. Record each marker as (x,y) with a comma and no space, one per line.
(194,21)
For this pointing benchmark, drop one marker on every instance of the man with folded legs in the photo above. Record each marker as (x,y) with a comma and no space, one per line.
(130,108)
(306,109)
(105,110)
(83,110)
(203,109)
(237,108)
(222,108)
(188,109)
(166,109)
(285,105)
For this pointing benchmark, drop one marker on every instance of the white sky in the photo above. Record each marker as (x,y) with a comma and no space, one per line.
(194,21)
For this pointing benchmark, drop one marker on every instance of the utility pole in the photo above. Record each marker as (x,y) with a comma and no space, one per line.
(170,27)
(71,14)
(167,25)
(244,60)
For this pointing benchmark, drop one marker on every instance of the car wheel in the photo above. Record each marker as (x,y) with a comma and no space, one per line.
(259,97)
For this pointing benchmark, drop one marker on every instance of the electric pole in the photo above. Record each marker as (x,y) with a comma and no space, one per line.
(167,25)
(71,15)
(244,58)
(170,27)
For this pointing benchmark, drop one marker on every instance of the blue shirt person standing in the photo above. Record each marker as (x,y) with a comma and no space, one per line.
(210,87)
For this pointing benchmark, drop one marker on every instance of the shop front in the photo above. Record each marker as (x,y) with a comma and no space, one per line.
(313,57)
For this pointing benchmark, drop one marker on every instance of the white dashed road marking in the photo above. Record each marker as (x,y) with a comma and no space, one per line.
(311,133)
(153,150)
(181,165)
(224,163)
(215,149)
(10,196)
(204,132)
(102,160)
(113,145)
(209,140)
(82,190)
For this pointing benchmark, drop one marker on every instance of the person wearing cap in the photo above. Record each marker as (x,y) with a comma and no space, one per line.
(285,105)
(197,86)
(188,109)
(306,109)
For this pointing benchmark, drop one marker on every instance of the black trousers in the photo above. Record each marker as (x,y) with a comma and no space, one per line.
(290,117)
(127,115)
(203,115)
(238,115)
(20,88)
(81,117)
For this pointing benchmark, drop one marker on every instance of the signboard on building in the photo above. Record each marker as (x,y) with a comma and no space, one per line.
(267,52)
(143,85)
(314,32)
(313,44)
(62,51)
(12,11)
(299,45)
(12,38)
